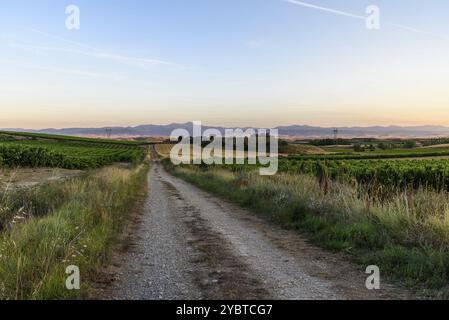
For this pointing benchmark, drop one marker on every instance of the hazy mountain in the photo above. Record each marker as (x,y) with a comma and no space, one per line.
(375,131)
(299,131)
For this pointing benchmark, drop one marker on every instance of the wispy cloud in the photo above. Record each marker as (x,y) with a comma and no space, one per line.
(71,72)
(415,30)
(58,38)
(67,46)
(94,54)
(87,50)
(360,17)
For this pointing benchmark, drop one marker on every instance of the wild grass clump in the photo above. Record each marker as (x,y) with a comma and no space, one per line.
(75,222)
(405,234)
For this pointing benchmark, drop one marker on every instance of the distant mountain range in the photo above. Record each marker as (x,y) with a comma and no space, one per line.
(296,131)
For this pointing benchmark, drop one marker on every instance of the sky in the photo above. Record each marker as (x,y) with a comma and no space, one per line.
(258,63)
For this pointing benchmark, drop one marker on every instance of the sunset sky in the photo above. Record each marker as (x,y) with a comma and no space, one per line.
(224,62)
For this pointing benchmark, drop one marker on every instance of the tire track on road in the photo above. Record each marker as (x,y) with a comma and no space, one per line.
(192,245)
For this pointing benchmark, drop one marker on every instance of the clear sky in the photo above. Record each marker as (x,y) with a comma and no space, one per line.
(224,62)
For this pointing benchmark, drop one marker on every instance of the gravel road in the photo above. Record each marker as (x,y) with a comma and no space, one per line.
(192,245)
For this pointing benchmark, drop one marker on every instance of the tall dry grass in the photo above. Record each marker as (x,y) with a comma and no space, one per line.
(405,234)
(75,222)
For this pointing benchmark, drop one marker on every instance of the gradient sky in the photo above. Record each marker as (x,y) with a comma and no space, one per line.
(224,62)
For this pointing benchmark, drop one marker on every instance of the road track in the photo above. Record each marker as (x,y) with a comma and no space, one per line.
(192,245)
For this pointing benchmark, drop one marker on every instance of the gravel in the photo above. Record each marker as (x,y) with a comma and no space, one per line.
(158,265)
(166,263)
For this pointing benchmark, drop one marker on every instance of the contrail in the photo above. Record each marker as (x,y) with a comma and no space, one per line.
(356,16)
(339,12)
(94,54)
(73,72)
(52,36)
(411,29)
(86,51)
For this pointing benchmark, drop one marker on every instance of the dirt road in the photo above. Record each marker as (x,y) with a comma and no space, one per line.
(191,245)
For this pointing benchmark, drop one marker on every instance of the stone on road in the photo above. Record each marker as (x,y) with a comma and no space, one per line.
(192,245)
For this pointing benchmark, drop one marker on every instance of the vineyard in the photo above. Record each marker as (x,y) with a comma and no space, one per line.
(384,171)
(416,153)
(387,173)
(9,135)
(68,154)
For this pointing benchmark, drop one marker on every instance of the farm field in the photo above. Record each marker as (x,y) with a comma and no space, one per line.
(53,214)
(7,135)
(14,178)
(390,174)
(32,150)
(285,149)
(380,154)
(411,169)
(382,211)
(164,149)
(72,222)
(379,211)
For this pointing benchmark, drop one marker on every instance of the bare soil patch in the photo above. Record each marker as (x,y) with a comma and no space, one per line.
(30,177)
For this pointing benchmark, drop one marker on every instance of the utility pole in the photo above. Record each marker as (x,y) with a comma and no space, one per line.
(335,135)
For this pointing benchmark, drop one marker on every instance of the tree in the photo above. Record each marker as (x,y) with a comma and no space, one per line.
(384,146)
(410,144)
(358,147)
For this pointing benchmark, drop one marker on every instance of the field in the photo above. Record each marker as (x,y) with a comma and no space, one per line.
(163,150)
(31,150)
(378,154)
(51,217)
(26,135)
(378,170)
(74,222)
(295,149)
(390,174)
(388,208)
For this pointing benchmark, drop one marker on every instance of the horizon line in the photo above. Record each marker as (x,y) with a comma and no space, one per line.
(227,126)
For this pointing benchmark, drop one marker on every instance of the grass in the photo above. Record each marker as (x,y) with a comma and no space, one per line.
(406,235)
(295,149)
(75,222)
(163,149)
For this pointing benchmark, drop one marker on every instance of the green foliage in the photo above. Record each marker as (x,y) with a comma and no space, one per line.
(65,154)
(406,235)
(76,222)
(390,174)
(384,146)
(11,135)
(435,141)
(410,144)
(379,155)
(359,148)
(330,142)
